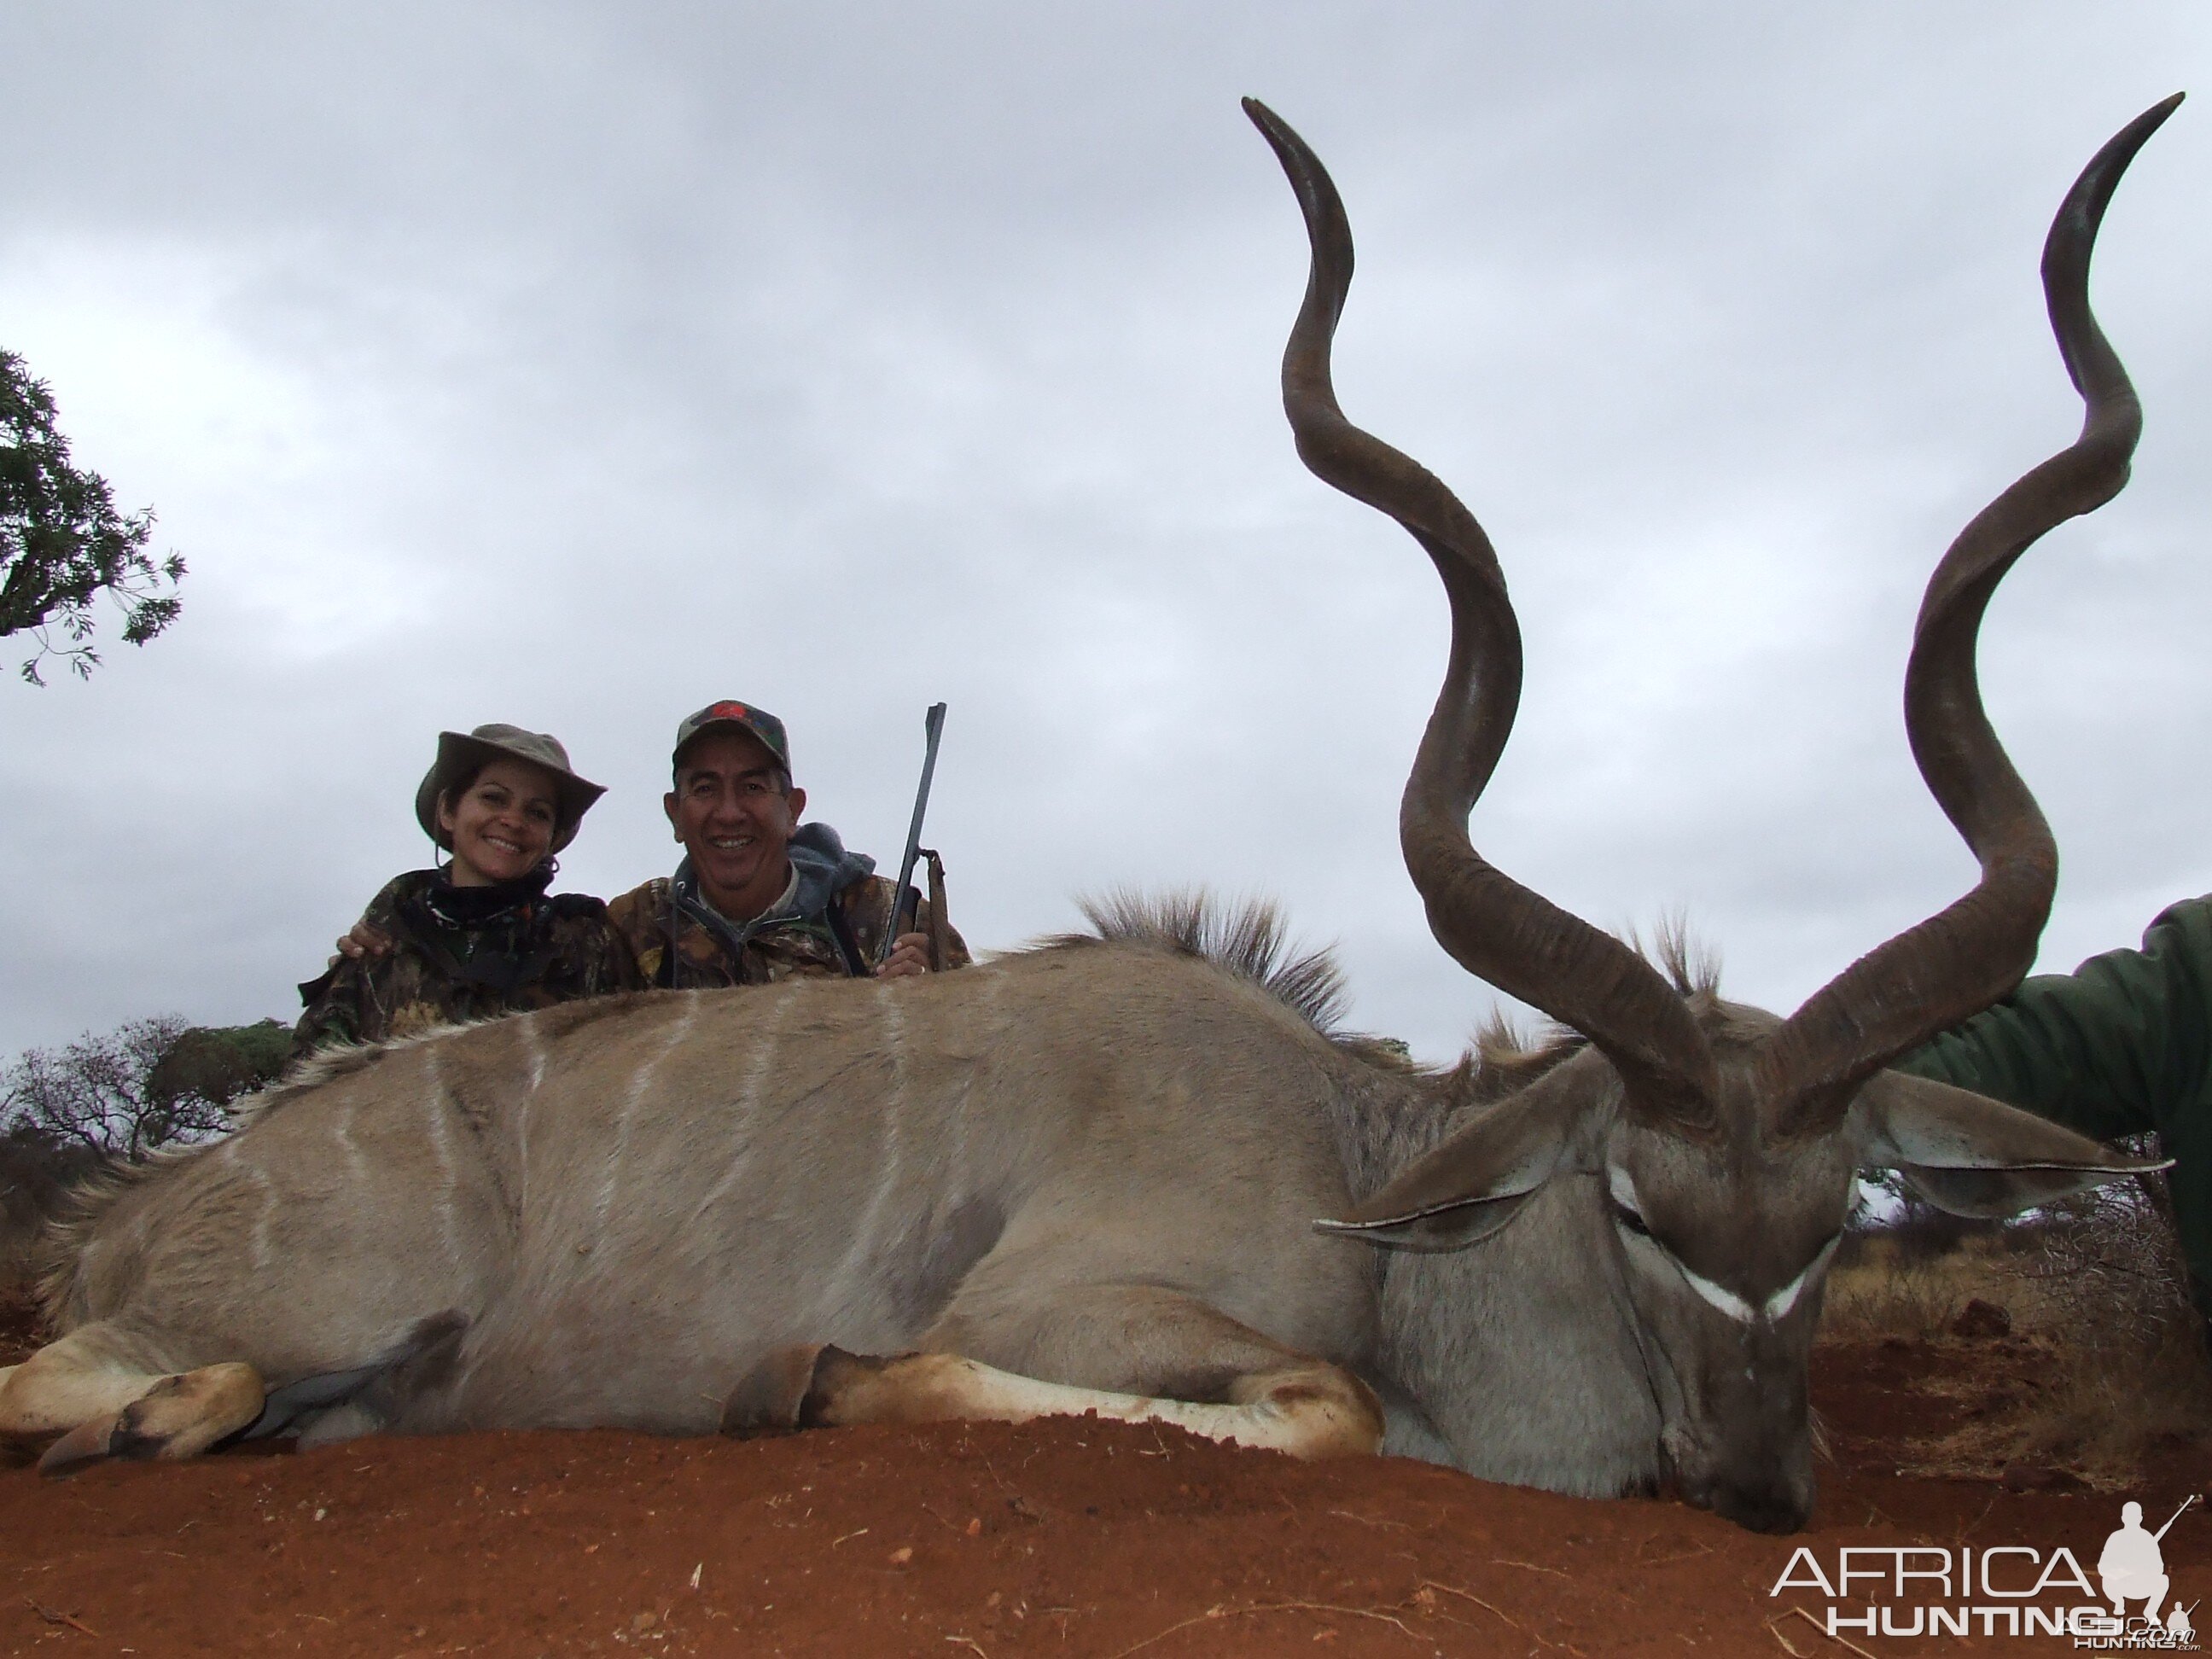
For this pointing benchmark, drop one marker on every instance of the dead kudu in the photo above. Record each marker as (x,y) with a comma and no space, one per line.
(1085,1176)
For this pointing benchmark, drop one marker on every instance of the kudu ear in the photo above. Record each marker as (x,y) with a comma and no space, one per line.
(1970,1156)
(1477,1179)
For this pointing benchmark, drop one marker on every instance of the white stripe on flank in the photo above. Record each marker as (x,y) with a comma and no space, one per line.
(356,1168)
(993,988)
(632,1096)
(533,1044)
(261,1217)
(442,1145)
(745,1109)
(357,1176)
(522,1158)
(1786,1298)
(955,1160)
(892,1012)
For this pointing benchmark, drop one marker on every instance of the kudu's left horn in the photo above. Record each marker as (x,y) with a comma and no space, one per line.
(1966,956)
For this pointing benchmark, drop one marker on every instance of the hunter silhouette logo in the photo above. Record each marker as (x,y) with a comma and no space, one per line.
(2006,1589)
(2133,1567)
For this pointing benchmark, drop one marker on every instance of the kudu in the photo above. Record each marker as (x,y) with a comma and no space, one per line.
(1083,1177)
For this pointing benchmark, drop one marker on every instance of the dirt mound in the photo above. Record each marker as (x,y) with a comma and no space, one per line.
(1071,1537)
(1979,1320)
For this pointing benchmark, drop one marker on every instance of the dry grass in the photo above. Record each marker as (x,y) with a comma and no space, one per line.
(1884,1291)
(2106,1367)
(2101,1420)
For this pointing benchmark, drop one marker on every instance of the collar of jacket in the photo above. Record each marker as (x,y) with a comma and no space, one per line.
(821,866)
(473,907)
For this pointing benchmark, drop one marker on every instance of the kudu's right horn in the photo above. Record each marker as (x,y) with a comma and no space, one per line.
(1494,927)
(1968,955)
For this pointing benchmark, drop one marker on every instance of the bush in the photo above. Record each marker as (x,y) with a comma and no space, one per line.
(97,1093)
(118,1096)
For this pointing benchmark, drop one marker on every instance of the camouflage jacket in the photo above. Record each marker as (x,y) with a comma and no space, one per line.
(464,953)
(833,892)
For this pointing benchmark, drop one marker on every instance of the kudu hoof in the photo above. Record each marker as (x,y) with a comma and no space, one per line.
(770,1399)
(798,1388)
(86,1444)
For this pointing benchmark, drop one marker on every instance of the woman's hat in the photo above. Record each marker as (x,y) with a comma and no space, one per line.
(461,753)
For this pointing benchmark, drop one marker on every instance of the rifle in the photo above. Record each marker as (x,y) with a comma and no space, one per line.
(2175,1516)
(902,896)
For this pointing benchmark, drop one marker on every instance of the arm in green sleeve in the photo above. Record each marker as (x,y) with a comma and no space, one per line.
(2113,1048)
(608,964)
(333,1012)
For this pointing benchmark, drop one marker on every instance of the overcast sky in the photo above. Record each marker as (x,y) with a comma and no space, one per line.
(572,365)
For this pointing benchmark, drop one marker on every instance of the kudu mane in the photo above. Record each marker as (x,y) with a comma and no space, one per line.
(1250,941)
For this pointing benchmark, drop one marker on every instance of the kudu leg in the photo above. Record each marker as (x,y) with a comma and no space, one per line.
(1163,1357)
(92,1389)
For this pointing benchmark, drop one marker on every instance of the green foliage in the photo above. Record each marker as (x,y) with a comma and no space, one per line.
(218,1063)
(62,541)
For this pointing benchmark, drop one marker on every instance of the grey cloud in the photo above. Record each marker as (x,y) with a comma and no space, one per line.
(574,366)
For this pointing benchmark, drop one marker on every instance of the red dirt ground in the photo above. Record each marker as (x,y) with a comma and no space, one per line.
(1071,1538)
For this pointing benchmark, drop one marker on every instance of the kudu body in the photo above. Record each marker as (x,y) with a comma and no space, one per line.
(1084,1177)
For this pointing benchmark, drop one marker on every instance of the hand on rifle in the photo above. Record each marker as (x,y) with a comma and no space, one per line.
(909,955)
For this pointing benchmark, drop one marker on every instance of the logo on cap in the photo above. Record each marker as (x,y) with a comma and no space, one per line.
(758,721)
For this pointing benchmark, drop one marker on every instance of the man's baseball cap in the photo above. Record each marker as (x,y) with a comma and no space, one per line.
(758,721)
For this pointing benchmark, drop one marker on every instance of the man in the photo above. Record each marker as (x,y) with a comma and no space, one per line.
(2122,1046)
(759,896)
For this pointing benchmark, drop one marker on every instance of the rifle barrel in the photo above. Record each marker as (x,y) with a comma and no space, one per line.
(2175,1516)
(932,726)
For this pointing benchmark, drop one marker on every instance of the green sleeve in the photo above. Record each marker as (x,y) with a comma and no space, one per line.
(619,971)
(333,998)
(603,961)
(385,905)
(331,1014)
(2118,1047)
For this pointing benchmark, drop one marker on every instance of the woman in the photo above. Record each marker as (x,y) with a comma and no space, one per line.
(479,937)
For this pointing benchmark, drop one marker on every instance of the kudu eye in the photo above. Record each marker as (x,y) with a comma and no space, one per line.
(1629,1220)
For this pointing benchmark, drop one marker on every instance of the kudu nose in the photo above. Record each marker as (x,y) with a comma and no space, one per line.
(1763,1506)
